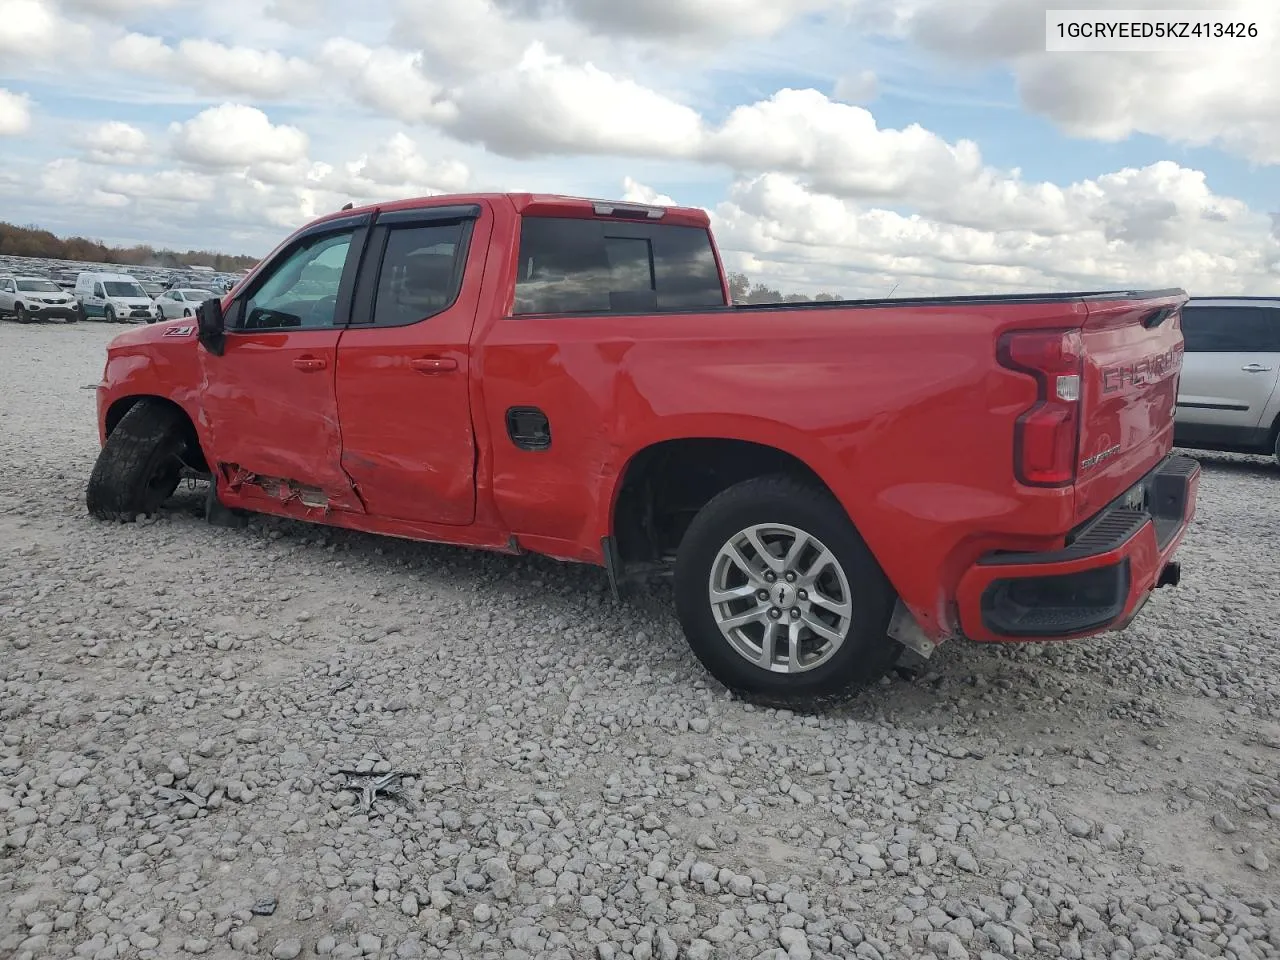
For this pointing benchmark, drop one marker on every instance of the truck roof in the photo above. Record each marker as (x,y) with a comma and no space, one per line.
(544,205)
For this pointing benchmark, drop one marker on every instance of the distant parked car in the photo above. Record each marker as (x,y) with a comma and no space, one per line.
(35,298)
(1229,394)
(115,297)
(151,288)
(181,303)
(66,279)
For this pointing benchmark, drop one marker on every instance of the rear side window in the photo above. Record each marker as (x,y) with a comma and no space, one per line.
(421,272)
(1231,329)
(603,266)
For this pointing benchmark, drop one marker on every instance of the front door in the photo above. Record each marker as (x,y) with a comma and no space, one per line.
(268,402)
(403,392)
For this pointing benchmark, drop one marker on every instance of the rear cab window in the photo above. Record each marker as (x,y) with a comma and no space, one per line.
(596,266)
(1231,329)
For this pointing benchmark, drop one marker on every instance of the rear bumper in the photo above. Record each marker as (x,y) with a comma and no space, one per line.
(1099,581)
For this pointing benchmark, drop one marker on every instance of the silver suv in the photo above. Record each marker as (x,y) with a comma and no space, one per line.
(1228,398)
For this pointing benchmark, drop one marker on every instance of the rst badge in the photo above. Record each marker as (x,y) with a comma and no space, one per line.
(185,330)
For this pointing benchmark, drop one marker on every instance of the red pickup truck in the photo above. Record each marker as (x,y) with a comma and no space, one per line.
(828,483)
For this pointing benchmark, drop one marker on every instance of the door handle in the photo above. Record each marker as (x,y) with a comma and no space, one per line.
(1255,368)
(433,364)
(310,364)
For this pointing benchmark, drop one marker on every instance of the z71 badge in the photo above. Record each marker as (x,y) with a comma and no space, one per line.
(184,331)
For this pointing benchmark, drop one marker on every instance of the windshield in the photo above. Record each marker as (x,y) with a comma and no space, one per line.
(117,288)
(38,286)
(195,294)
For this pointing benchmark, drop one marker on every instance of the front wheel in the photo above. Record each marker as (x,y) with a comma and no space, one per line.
(21,314)
(109,315)
(186,311)
(779,596)
(140,465)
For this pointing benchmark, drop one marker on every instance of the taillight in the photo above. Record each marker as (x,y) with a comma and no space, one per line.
(1047,435)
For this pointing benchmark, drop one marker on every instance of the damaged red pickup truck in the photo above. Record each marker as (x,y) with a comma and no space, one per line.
(829,483)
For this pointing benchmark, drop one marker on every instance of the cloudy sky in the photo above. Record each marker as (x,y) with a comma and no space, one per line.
(842,145)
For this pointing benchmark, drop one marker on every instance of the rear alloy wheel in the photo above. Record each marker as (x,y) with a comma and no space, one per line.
(140,465)
(777,612)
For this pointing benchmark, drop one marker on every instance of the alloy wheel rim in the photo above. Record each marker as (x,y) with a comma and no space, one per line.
(780,598)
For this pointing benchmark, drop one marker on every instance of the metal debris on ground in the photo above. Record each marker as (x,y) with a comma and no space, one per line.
(168,796)
(370,786)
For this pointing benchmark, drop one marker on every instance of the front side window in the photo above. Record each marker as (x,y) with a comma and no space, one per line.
(302,291)
(1231,329)
(421,273)
(97,290)
(604,266)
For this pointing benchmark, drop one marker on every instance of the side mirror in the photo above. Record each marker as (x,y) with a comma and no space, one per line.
(211,326)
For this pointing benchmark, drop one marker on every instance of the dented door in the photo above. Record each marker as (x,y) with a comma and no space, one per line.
(269,402)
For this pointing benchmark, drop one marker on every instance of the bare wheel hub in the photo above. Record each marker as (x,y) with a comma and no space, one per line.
(780,598)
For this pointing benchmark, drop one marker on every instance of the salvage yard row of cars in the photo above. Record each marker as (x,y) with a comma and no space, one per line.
(29,296)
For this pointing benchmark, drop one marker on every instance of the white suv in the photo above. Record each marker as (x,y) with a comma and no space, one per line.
(1228,397)
(35,298)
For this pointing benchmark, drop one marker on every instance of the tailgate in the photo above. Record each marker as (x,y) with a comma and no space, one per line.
(1132,358)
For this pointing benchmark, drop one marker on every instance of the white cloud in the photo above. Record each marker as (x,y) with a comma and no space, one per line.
(15,113)
(547,105)
(211,67)
(31,30)
(776,228)
(67,182)
(236,136)
(1225,93)
(389,81)
(841,147)
(114,142)
(117,8)
(634,192)
(182,185)
(391,170)
(710,19)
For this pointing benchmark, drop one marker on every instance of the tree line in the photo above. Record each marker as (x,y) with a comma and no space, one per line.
(744,291)
(31,241)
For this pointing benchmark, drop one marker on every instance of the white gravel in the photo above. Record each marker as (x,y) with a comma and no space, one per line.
(176,702)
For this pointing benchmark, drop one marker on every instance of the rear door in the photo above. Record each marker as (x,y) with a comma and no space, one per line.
(1230,371)
(403,364)
(95,304)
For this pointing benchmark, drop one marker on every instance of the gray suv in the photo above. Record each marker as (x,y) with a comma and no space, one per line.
(1227,397)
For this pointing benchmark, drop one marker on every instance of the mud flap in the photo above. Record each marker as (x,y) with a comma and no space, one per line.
(221,516)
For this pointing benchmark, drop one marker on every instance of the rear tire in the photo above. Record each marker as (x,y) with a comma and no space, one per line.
(853,649)
(140,465)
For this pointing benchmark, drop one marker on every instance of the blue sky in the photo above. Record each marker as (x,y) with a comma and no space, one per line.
(964,163)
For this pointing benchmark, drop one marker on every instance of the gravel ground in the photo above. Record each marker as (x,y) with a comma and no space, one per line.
(177,703)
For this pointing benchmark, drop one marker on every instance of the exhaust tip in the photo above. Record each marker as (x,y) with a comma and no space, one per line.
(1170,575)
